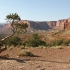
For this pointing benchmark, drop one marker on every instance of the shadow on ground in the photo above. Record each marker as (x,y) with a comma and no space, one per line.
(17,59)
(28,59)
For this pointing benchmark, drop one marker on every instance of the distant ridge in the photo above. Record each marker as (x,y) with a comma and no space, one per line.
(39,25)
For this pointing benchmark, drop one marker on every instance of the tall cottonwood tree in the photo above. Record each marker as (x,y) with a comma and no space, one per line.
(14,19)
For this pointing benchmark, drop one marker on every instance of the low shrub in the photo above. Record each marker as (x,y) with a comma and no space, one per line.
(25,53)
(35,41)
(66,42)
(54,43)
(13,41)
(57,43)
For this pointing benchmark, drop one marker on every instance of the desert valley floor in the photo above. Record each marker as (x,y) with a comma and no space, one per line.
(46,59)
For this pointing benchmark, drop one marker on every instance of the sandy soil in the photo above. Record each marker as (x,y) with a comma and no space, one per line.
(47,59)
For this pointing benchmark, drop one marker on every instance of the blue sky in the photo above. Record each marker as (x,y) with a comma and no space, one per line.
(36,10)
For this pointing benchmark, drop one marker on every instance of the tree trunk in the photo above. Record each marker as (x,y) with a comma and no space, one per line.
(2,40)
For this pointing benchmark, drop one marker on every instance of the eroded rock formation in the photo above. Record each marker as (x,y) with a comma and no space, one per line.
(67,24)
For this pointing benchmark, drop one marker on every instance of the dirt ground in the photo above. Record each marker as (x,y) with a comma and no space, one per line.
(46,59)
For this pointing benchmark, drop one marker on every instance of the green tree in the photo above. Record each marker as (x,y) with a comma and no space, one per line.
(20,28)
(14,19)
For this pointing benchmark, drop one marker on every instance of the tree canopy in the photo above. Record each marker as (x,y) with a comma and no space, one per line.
(14,19)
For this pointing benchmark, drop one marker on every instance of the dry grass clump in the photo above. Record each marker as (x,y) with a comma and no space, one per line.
(25,53)
(5,56)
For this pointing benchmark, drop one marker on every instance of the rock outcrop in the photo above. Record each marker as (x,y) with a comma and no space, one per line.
(67,24)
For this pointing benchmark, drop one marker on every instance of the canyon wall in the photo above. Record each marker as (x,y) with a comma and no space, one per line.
(40,25)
